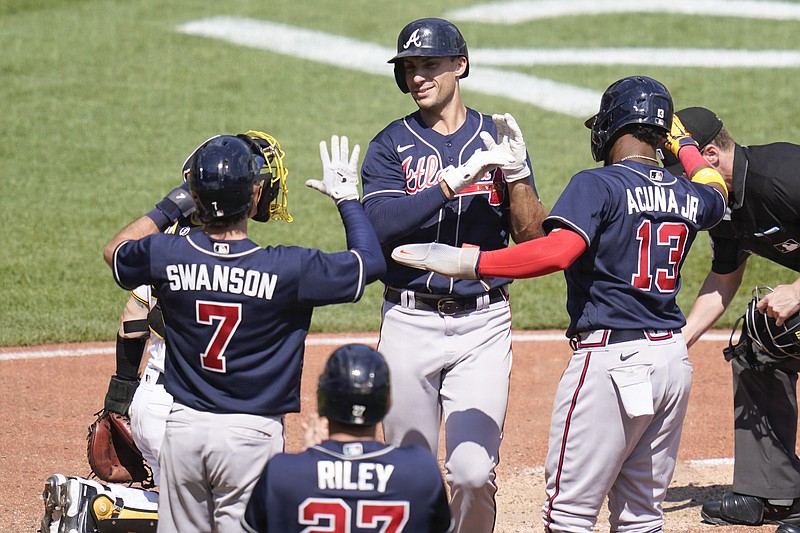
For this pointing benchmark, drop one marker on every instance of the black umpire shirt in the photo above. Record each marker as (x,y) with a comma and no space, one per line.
(763,215)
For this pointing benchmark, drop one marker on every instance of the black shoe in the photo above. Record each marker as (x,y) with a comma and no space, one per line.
(787,528)
(749,511)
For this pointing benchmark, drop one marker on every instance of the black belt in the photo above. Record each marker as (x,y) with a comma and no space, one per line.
(443,303)
(160,379)
(614,336)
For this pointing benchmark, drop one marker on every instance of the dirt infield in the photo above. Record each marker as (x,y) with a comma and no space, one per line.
(46,404)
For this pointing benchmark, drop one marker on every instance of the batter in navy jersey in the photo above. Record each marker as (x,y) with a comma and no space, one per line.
(452,175)
(351,482)
(621,234)
(236,318)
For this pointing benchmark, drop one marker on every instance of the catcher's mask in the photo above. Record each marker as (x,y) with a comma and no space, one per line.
(354,386)
(272,197)
(221,174)
(779,341)
(632,100)
(429,37)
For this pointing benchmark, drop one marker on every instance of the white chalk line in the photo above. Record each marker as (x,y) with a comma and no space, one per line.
(311,341)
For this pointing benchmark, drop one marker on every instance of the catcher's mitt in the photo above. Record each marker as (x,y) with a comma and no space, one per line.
(112,454)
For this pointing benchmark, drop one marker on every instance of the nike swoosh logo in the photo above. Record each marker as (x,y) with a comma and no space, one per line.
(181,196)
(627,356)
(401,149)
(405,253)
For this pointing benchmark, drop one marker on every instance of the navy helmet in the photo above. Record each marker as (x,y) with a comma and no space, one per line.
(428,37)
(632,100)
(354,386)
(221,174)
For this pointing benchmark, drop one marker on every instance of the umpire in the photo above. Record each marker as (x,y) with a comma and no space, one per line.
(763,219)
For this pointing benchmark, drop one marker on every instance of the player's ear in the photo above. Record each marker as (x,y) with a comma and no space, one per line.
(461,63)
(711,154)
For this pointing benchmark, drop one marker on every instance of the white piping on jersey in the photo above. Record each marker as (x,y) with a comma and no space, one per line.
(213,254)
(114,263)
(572,226)
(360,287)
(394,192)
(368,455)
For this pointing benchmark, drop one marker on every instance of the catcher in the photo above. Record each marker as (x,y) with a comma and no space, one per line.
(124,441)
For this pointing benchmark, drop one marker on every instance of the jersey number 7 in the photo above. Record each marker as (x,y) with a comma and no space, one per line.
(228,317)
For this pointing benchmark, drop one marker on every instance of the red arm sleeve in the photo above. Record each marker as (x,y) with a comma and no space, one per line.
(533,258)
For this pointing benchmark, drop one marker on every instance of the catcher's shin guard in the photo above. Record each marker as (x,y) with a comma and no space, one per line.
(114,517)
(75,498)
(51,495)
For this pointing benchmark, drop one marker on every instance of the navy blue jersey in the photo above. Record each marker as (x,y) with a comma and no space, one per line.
(236,344)
(357,487)
(405,203)
(638,222)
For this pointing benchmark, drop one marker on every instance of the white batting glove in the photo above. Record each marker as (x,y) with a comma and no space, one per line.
(509,137)
(339,174)
(440,258)
(481,162)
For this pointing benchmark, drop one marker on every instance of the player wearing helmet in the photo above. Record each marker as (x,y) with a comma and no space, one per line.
(451,174)
(351,482)
(620,233)
(236,316)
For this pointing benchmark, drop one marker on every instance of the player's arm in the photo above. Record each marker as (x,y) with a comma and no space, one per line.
(713,299)
(138,229)
(527,211)
(131,341)
(530,259)
(680,143)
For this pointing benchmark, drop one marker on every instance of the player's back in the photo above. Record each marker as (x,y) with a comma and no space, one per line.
(237,315)
(361,487)
(639,222)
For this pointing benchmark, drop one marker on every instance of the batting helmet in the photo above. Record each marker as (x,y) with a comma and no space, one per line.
(221,174)
(429,37)
(354,386)
(632,100)
(778,341)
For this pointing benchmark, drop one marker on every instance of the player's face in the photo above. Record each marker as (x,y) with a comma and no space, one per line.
(432,81)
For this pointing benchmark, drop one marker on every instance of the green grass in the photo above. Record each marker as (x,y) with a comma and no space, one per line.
(101,101)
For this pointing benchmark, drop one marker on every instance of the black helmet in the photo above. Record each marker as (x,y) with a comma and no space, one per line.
(633,100)
(221,173)
(430,37)
(354,386)
(779,341)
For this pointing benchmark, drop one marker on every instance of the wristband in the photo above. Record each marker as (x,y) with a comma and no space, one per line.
(159,219)
(691,159)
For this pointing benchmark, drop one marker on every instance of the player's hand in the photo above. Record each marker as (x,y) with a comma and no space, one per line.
(509,138)
(339,172)
(315,430)
(781,304)
(440,258)
(481,162)
(678,137)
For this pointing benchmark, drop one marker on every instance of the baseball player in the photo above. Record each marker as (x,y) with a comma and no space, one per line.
(449,174)
(236,318)
(763,219)
(621,234)
(351,482)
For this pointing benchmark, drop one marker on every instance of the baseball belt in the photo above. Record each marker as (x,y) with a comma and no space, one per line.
(443,303)
(604,337)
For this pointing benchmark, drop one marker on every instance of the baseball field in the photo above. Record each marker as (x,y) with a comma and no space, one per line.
(102,101)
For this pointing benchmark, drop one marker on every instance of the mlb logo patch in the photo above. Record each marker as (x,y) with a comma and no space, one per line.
(657,175)
(787,246)
(222,248)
